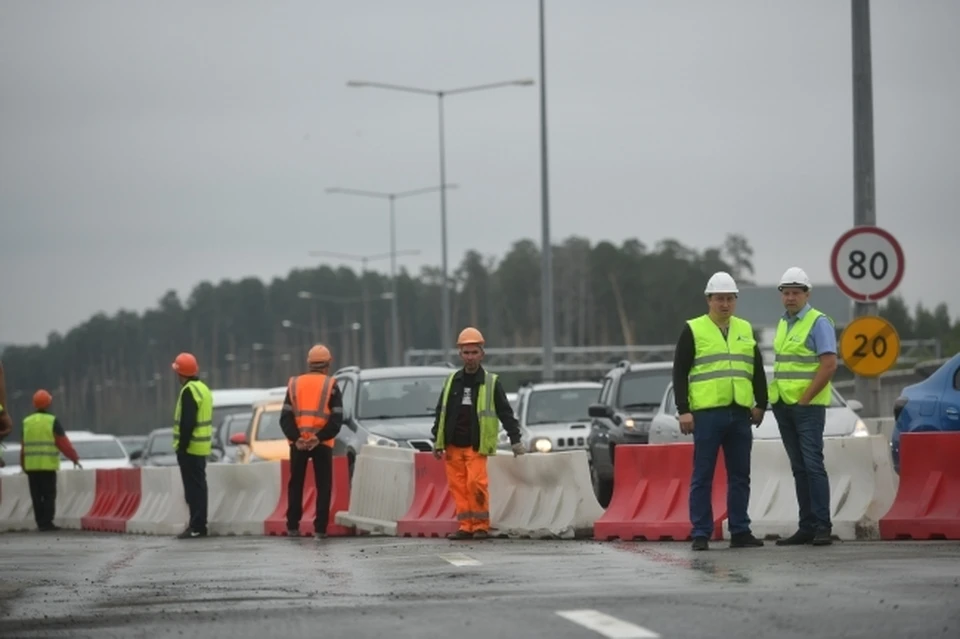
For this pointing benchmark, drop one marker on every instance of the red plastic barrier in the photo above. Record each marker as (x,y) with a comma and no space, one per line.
(928,499)
(651,494)
(276,524)
(432,513)
(117,500)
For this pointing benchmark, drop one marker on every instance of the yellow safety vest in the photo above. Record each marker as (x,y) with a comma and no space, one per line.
(40,450)
(795,365)
(201,441)
(722,372)
(486,414)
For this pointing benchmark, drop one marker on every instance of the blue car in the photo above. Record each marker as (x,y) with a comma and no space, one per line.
(932,405)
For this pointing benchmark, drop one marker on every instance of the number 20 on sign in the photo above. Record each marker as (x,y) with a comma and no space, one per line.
(869,346)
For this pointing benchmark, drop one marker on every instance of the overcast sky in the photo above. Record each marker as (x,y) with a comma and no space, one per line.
(146,146)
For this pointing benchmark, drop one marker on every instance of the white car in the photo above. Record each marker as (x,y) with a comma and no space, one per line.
(97,451)
(842,420)
(553,416)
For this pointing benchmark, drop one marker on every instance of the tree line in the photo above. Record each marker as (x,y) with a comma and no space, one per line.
(113,373)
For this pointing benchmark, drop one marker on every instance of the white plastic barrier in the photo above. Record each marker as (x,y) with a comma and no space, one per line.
(381,491)
(16,507)
(76,490)
(863,486)
(242,497)
(542,495)
(163,509)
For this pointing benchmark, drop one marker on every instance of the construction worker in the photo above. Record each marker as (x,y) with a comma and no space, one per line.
(43,441)
(468,434)
(6,423)
(720,389)
(311,418)
(193,441)
(805,351)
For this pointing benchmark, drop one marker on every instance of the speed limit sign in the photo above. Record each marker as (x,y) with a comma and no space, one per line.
(867,263)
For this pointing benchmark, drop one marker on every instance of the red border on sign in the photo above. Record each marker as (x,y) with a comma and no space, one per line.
(835,270)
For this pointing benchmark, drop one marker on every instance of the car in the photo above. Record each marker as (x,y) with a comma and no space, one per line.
(97,451)
(231,401)
(932,405)
(554,416)
(514,399)
(229,426)
(133,444)
(158,450)
(842,419)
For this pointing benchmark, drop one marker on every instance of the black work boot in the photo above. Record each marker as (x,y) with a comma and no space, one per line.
(745,540)
(460,534)
(822,538)
(700,543)
(799,538)
(293,532)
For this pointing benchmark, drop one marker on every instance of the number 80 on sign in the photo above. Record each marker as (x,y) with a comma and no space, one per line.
(870,346)
(867,263)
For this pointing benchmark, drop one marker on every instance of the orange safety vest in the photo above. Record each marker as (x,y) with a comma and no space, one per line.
(310,403)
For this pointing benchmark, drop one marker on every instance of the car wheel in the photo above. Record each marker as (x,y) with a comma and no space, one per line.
(602,488)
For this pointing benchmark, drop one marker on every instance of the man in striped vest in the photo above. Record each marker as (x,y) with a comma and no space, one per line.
(43,441)
(311,418)
(193,441)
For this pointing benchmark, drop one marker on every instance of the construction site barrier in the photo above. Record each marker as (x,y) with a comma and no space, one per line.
(76,490)
(862,487)
(542,496)
(276,523)
(382,490)
(162,509)
(241,497)
(16,506)
(117,499)
(433,512)
(927,505)
(651,494)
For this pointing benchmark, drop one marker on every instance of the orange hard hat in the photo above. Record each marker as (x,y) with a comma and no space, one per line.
(319,354)
(186,364)
(42,399)
(470,335)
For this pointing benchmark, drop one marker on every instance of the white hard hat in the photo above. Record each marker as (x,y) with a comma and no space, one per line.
(721,282)
(795,277)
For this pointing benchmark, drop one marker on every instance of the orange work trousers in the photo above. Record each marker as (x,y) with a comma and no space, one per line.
(468,483)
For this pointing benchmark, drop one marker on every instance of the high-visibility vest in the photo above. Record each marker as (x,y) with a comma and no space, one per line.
(201,440)
(40,450)
(310,403)
(486,414)
(722,372)
(795,365)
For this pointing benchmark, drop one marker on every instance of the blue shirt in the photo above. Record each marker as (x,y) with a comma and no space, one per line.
(822,338)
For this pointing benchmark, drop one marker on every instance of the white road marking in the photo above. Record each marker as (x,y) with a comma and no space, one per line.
(459,559)
(608,626)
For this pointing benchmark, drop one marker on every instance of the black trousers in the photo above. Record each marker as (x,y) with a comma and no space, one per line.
(193,472)
(322,457)
(43,494)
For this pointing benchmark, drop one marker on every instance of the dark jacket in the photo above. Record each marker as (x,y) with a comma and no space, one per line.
(501,405)
(288,421)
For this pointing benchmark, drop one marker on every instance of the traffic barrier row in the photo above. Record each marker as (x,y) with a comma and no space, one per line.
(402,492)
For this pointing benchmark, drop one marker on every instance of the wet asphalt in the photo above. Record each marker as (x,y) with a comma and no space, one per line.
(76,584)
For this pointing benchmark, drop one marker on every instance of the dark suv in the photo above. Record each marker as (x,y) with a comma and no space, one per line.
(629,398)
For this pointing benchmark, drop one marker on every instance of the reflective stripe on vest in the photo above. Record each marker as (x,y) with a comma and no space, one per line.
(722,371)
(795,365)
(486,414)
(40,450)
(310,403)
(201,440)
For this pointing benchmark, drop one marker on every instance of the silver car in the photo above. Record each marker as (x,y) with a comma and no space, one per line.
(553,416)
(842,420)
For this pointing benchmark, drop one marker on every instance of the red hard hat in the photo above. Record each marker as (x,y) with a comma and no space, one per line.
(186,365)
(42,399)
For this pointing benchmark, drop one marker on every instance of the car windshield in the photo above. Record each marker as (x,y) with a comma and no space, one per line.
(269,426)
(560,405)
(161,444)
(220,412)
(234,424)
(97,449)
(643,389)
(399,397)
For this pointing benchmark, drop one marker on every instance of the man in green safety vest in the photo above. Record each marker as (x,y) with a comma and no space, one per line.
(720,389)
(193,441)
(43,441)
(805,360)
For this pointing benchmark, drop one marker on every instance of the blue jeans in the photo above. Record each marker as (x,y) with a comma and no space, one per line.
(801,428)
(727,428)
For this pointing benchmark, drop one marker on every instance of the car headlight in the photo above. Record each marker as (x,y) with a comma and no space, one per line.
(860,429)
(629,424)
(541,445)
(376,440)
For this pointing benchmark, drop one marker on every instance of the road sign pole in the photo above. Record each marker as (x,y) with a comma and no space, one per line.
(864,210)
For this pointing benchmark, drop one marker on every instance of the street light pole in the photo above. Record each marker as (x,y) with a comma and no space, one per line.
(546,266)
(445,333)
(394,308)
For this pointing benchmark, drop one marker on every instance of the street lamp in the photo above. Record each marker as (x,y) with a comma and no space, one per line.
(445,290)
(546,257)
(394,310)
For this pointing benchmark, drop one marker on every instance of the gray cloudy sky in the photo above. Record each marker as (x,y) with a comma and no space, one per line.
(151,145)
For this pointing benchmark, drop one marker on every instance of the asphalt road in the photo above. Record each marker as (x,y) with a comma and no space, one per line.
(76,584)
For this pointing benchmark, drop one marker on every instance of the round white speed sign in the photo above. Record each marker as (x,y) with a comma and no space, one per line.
(867,263)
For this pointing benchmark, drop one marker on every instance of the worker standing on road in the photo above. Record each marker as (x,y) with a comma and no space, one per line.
(311,419)
(6,422)
(805,349)
(43,440)
(468,434)
(720,389)
(193,441)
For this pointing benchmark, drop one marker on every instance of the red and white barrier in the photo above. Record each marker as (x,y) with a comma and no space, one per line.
(16,507)
(76,490)
(241,497)
(162,509)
